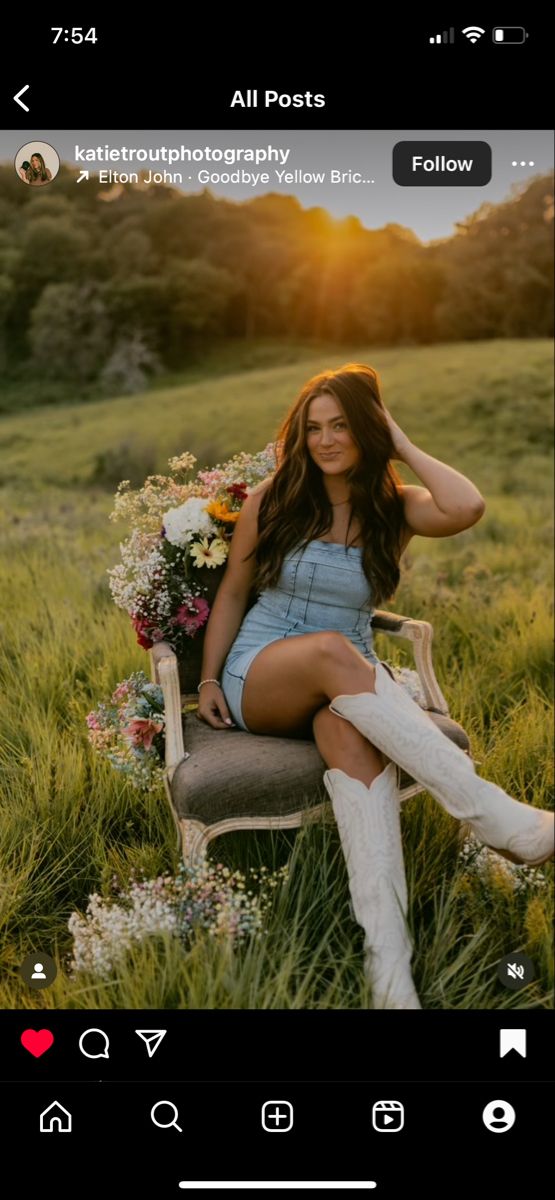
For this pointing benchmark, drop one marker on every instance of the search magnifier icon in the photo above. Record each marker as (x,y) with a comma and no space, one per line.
(165,1124)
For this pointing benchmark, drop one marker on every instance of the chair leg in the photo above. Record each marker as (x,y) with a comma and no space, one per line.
(194,843)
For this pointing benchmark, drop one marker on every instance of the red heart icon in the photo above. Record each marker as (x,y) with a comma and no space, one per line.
(37,1041)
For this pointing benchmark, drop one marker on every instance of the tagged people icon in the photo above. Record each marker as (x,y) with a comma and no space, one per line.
(37,163)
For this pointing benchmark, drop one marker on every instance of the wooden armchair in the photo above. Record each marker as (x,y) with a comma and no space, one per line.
(223,780)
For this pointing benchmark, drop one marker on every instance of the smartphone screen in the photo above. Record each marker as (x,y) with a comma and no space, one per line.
(276,361)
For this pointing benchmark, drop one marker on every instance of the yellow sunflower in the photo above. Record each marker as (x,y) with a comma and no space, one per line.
(221,512)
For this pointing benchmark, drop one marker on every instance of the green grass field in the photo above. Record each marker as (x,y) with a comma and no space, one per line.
(69,823)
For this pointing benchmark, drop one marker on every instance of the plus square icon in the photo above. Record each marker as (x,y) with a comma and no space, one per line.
(277,1116)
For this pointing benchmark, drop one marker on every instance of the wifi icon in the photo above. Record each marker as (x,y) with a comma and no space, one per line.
(473,32)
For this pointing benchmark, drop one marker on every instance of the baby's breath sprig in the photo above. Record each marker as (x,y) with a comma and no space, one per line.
(205,899)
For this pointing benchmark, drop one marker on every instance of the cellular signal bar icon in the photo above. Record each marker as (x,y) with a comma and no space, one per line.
(448,35)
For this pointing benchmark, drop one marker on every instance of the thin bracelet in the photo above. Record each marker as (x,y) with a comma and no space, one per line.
(208,681)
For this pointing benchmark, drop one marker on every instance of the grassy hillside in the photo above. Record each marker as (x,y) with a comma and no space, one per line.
(68,823)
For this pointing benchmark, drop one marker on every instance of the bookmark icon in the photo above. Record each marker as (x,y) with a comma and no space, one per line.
(512,1039)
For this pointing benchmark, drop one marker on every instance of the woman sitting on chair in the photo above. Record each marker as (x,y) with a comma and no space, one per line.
(320,543)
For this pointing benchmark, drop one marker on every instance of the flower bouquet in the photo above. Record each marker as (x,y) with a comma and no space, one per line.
(181,531)
(204,899)
(129,731)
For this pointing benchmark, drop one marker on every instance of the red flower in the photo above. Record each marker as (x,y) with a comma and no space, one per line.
(141,626)
(239,490)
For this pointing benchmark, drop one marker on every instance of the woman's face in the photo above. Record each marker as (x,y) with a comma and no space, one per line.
(328,437)
(35,162)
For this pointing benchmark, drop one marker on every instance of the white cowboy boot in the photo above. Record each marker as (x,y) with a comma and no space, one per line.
(393,722)
(369,827)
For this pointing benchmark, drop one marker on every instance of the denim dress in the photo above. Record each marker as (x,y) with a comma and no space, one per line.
(320,588)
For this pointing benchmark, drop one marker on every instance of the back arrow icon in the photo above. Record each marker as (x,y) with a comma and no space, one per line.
(20,102)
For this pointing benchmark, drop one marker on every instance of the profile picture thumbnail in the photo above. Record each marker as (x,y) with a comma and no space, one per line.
(37,164)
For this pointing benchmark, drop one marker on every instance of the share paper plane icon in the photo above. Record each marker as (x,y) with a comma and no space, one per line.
(151,1039)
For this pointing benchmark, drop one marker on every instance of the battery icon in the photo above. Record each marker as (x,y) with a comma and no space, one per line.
(509,35)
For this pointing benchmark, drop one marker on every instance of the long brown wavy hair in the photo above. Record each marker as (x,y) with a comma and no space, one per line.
(296,508)
(41,173)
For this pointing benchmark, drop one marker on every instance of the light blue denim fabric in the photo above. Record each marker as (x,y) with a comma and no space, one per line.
(319,589)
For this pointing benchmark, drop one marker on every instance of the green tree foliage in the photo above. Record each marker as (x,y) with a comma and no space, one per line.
(498,269)
(95,282)
(69,332)
(197,294)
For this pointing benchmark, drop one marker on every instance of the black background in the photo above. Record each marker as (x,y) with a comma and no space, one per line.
(281,1045)
(177,71)
(444,1149)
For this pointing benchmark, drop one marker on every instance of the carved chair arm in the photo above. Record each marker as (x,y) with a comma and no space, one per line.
(165,671)
(420,634)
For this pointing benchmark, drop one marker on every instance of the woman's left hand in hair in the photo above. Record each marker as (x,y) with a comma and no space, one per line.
(400,439)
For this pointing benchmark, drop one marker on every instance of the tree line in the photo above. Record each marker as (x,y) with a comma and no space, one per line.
(109,286)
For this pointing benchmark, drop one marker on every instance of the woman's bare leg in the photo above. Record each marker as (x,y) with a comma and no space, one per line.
(341,745)
(292,680)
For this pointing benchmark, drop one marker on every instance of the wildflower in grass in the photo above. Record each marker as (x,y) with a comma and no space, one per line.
(484,866)
(200,899)
(537,924)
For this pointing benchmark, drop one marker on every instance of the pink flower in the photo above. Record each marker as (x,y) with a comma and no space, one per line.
(121,692)
(211,479)
(92,721)
(142,730)
(192,615)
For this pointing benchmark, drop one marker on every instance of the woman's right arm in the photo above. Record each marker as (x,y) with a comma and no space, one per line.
(228,610)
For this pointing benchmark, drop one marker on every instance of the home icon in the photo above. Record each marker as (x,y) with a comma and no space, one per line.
(55,1119)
